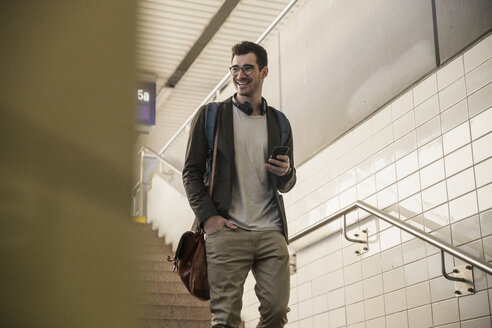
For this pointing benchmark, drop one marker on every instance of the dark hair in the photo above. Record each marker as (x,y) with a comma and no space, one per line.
(246,47)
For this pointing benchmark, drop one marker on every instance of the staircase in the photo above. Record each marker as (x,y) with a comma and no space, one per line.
(164,301)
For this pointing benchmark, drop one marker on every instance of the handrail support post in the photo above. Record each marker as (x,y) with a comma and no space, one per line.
(463,278)
(360,240)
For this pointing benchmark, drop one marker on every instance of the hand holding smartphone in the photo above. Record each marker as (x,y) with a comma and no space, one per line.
(279,150)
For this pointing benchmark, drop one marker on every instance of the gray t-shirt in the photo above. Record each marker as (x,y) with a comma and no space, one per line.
(253,206)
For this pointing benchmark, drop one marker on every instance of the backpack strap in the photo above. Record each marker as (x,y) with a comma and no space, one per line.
(214,156)
(283,125)
(210,120)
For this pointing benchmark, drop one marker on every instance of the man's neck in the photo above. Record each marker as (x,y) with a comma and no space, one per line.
(254,101)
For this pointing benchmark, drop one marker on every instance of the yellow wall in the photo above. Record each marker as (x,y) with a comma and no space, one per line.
(66,120)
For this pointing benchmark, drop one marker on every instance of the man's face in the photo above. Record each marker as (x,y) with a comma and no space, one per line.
(248,85)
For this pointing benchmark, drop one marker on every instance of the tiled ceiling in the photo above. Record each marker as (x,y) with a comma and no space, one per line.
(168,29)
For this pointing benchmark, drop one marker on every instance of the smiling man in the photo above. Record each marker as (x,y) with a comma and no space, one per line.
(245,219)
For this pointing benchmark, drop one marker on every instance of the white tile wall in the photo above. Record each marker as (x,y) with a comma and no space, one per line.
(416,272)
(404,145)
(479,124)
(463,206)
(413,250)
(381,120)
(445,312)
(406,123)
(425,158)
(486,223)
(354,293)
(336,298)
(436,218)
(456,138)
(474,306)
(320,321)
(478,54)
(383,138)
(453,325)
(430,152)
(428,131)
(410,207)
(418,295)
(452,94)
(477,323)
(425,89)
(399,319)
(431,174)
(383,157)
(337,318)
(458,160)
(376,323)
(480,100)
(355,313)
(374,307)
(420,317)
(465,230)
(434,196)
(393,280)
(391,258)
(454,116)
(479,77)
(481,148)
(402,105)
(450,73)
(426,110)
(485,197)
(395,301)
(371,266)
(461,183)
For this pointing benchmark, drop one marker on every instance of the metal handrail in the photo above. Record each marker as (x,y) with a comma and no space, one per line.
(137,185)
(159,157)
(442,245)
(141,186)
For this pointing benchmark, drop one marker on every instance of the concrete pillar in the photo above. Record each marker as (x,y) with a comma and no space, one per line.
(66,152)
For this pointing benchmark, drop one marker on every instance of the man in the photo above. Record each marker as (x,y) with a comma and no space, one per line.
(245,219)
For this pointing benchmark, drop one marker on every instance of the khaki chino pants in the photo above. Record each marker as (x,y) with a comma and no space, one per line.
(230,256)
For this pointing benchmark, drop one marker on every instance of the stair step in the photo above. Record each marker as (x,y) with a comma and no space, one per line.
(166,323)
(140,227)
(170,299)
(163,300)
(159,276)
(148,237)
(163,287)
(152,256)
(161,248)
(162,266)
(143,239)
(175,312)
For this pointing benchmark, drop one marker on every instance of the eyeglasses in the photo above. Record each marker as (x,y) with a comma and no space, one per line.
(247,69)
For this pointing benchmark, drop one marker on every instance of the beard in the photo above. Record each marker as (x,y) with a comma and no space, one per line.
(248,90)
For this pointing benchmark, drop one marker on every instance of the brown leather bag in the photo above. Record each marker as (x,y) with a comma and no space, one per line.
(190,260)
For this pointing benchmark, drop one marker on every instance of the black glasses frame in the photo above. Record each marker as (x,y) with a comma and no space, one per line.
(248,67)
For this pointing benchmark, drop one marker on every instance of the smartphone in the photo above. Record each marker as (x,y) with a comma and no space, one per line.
(279,150)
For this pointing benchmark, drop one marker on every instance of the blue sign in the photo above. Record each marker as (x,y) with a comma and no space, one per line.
(146,103)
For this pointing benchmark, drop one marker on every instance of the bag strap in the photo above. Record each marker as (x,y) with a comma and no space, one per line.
(214,156)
